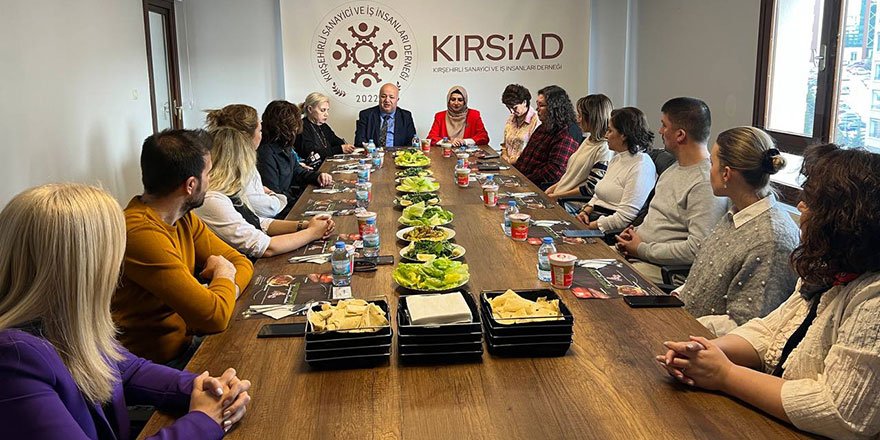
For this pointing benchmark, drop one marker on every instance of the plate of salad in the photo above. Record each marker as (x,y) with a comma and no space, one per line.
(426,250)
(412,158)
(418,233)
(431,276)
(418,185)
(412,198)
(425,215)
(415,172)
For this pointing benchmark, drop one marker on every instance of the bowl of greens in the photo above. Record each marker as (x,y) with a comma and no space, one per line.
(428,250)
(418,185)
(424,215)
(431,276)
(412,158)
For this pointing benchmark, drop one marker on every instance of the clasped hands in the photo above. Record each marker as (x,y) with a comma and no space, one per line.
(224,399)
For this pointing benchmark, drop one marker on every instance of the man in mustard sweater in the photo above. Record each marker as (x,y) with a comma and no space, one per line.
(161,306)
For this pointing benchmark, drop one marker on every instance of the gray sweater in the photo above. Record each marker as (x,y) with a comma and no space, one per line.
(681,214)
(742,269)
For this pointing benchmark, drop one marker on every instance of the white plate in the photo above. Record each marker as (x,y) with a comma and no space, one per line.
(449,233)
(406,248)
(400,188)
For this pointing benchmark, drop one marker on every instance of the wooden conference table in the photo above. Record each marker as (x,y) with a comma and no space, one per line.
(607,386)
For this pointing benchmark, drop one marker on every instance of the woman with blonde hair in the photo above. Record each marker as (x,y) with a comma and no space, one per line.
(741,270)
(318,141)
(229,214)
(62,372)
(244,118)
(588,164)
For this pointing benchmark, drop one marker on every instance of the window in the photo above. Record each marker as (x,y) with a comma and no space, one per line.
(817,78)
(875,129)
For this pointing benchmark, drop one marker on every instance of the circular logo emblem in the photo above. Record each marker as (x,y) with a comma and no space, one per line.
(359,46)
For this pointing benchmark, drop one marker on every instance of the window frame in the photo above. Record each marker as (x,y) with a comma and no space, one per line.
(824,119)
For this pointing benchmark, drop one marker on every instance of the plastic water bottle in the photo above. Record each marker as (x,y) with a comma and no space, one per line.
(371,239)
(376,157)
(363,171)
(341,262)
(415,142)
(371,145)
(544,259)
(512,208)
(362,194)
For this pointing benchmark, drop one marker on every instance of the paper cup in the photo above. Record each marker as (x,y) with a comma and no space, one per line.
(426,145)
(561,270)
(447,151)
(362,220)
(519,226)
(490,195)
(462,176)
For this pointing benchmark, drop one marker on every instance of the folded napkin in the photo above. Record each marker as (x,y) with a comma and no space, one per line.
(447,308)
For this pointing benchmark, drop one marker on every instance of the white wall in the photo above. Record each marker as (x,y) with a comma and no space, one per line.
(69,71)
(230,53)
(701,48)
(613,50)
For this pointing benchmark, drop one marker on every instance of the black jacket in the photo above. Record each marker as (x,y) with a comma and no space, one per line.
(370,121)
(316,143)
(281,172)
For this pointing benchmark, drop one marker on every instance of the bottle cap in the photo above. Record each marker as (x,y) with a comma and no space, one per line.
(371,221)
(340,245)
(511,203)
(548,240)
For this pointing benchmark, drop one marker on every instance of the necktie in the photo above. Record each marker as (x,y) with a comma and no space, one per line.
(383,131)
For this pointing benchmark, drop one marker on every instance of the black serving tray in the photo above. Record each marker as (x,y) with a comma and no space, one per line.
(527,339)
(440,348)
(348,338)
(547,349)
(346,362)
(442,358)
(404,328)
(561,326)
(453,338)
(312,354)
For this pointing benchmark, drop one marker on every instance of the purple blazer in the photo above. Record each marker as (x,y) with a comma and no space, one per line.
(39,399)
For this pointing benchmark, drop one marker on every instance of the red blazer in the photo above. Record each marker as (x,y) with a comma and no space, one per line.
(473,128)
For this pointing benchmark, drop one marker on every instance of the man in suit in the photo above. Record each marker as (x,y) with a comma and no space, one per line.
(386,124)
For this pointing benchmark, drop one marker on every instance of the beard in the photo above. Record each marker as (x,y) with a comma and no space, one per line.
(196,200)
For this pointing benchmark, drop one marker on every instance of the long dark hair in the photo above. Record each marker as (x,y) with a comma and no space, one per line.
(560,113)
(841,232)
(282,121)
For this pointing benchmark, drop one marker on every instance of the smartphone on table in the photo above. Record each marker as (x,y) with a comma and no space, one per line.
(282,330)
(653,301)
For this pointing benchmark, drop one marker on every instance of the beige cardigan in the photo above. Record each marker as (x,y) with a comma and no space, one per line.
(832,383)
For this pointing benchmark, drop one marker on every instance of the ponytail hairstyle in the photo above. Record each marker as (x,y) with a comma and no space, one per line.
(753,153)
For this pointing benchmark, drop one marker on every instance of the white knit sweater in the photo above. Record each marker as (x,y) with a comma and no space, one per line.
(833,376)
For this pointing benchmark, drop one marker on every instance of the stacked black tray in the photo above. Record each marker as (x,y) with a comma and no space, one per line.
(346,349)
(530,339)
(442,343)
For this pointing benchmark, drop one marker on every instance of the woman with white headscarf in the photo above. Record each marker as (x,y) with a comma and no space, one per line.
(460,124)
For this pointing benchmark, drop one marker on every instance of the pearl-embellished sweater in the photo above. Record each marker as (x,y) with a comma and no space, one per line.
(833,376)
(742,268)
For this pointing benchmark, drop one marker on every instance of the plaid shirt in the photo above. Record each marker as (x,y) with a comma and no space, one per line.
(546,155)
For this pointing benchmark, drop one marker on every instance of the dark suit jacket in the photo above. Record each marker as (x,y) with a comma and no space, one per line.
(370,120)
(312,150)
